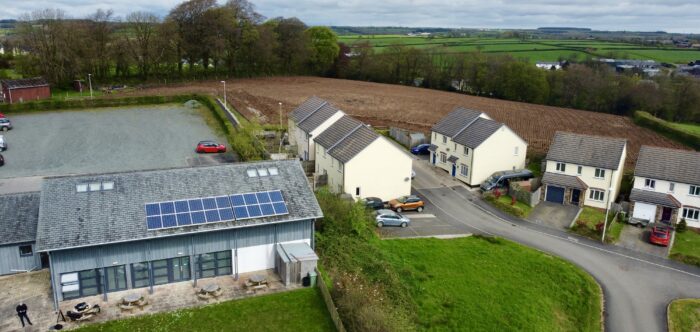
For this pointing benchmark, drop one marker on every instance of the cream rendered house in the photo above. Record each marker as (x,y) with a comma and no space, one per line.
(471,146)
(309,120)
(362,163)
(666,186)
(583,170)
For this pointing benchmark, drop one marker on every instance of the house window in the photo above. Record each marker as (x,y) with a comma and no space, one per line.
(464,170)
(26,250)
(214,264)
(466,151)
(115,278)
(455,146)
(357,191)
(597,195)
(579,170)
(599,173)
(340,167)
(443,157)
(444,139)
(561,167)
(649,183)
(694,190)
(140,276)
(671,187)
(94,186)
(340,188)
(692,214)
(515,151)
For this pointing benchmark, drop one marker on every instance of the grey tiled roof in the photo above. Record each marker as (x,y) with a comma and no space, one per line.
(668,164)
(317,118)
(19,214)
(568,181)
(353,144)
(646,196)
(452,123)
(432,148)
(71,219)
(341,128)
(452,159)
(307,108)
(24,83)
(587,150)
(477,132)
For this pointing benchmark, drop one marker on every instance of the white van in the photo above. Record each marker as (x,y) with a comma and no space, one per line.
(3,143)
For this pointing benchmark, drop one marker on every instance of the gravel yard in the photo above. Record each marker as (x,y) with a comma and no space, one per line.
(106,140)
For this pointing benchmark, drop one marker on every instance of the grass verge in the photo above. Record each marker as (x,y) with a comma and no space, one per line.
(505,204)
(684,315)
(686,247)
(491,284)
(299,310)
(587,225)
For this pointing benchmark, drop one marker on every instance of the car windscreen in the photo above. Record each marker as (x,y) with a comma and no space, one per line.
(402,199)
(661,235)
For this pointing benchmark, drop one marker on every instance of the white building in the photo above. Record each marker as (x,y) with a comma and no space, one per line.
(309,120)
(548,65)
(362,163)
(583,169)
(666,186)
(471,146)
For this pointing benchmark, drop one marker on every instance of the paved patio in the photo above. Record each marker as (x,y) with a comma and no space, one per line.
(33,289)
(553,215)
(637,239)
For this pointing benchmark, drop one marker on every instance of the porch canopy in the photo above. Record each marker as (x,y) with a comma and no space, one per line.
(651,197)
(567,181)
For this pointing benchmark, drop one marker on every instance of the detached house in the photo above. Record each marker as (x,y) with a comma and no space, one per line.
(362,163)
(471,146)
(666,186)
(309,120)
(583,170)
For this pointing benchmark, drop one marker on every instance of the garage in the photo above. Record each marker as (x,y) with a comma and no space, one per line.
(644,211)
(555,194)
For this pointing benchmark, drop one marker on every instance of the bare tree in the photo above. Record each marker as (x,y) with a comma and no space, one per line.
(142,26)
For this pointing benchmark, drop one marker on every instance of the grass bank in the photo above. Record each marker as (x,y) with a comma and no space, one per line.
(686,247)
(682,133)
(299,310)
(684,315)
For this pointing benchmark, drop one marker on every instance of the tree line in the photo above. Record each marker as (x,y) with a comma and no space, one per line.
(588,84)
(197,38)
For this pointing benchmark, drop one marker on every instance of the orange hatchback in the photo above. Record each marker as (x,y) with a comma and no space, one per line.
(405,203)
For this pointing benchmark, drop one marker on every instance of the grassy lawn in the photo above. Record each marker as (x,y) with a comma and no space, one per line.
(505,199)
(590,217)
(684,315)
(686,247)
(300,310)
(491,284)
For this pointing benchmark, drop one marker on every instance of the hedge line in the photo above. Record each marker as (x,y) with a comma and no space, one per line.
(665,128)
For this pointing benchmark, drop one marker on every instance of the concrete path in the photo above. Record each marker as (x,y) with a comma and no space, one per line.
(637,239)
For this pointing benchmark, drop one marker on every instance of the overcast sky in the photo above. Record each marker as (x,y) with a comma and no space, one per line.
(631,15)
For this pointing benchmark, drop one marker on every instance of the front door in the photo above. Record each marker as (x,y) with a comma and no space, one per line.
(666,215)
(180,269)
(454,169)
(575,196)
(434,157)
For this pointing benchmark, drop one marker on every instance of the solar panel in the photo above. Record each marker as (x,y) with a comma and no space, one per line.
(198,211)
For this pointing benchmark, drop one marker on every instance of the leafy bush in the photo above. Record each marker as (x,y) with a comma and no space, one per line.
(503,206)
(682,226)
(665,128)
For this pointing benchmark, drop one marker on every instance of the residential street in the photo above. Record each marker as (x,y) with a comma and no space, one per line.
(637,287)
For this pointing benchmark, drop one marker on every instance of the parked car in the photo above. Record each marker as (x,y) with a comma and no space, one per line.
(420,149)
(390,218)
(210,147)
(503,178)
(2,160)
(5,124)
(403,203)
(660,235)
(373,203)
(2,115)
(3,143)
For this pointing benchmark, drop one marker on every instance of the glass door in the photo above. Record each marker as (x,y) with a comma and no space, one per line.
(180,269)
(116,278)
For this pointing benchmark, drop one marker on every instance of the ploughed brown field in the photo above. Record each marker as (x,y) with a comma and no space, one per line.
(417,108)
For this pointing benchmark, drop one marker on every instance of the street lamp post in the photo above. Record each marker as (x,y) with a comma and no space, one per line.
(90,83)
(607,210)
(281,135)
(224,82)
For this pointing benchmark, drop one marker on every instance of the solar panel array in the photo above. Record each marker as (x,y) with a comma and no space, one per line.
(198,211)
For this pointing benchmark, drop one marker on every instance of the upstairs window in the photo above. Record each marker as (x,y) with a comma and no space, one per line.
(694,190)
(599,173)
(579,170)
(671,187)
(466,151)
(444,139)
(26,250)
(515,151)
(561,167)
(649,183)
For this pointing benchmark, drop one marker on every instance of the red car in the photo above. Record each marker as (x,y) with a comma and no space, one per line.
(660,235)
(210,147)
(2,115)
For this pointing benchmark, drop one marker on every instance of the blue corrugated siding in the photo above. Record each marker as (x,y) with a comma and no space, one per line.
(11,260)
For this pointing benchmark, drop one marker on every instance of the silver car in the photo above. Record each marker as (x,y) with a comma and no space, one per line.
(390,218)
(3,143)
(5,124)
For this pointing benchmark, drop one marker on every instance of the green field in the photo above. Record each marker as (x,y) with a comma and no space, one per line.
(689,127)
(299,310)
(684,315)
(480,284)
(533,50)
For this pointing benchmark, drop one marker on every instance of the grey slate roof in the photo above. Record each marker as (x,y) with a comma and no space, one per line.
(646,196)
(317,118)
(24,83)
(587,150)
(452,159)
(568,181)
(477,132)
(341,128)
(668,164)
(353,144)
(19,214)
(454,122)
(307,108)
(71,219)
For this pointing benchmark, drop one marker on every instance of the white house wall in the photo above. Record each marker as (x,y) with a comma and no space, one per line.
(314,133)
(497,153)
(331,167)
(681,192)
(380,170)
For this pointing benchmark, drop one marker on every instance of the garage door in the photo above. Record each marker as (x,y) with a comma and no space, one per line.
(644,211)
(555,194)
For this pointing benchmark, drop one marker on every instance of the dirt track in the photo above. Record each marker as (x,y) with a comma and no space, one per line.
(417,108)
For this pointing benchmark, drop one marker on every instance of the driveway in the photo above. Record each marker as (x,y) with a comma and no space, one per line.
(636,238)
(554,215)
(637,287)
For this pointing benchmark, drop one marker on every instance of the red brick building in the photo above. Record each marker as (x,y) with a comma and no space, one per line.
(26,89)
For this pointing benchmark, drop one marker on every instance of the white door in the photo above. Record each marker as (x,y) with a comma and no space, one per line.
(644,211)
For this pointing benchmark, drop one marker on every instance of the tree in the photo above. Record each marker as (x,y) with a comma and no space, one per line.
(323,48)
(142,26)
(291,43)
(98,36)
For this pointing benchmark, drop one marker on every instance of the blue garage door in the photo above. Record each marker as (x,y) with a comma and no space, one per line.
(555,194)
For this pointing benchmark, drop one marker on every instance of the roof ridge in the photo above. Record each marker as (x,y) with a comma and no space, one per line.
(468,124)
(346,136)
(325,102)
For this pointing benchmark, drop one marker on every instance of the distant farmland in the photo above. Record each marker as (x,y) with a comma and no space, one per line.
(533,50)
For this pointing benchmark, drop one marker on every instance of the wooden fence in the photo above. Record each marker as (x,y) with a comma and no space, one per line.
(330,305)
